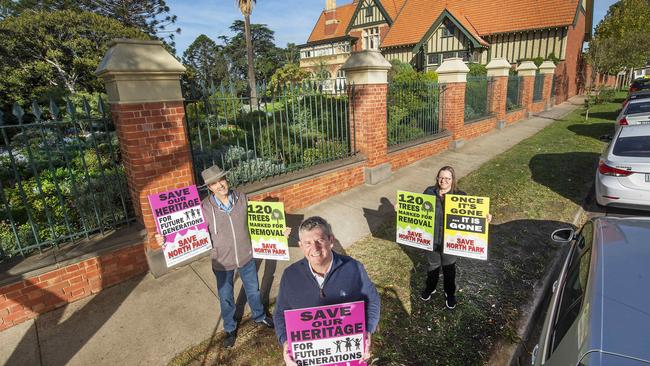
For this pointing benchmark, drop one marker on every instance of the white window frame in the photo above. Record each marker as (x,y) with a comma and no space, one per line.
(371,38)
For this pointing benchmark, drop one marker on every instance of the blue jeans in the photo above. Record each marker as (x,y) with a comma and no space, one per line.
(225,289)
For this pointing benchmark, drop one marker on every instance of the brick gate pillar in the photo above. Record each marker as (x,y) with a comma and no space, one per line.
(452,76)
(143,84)
(547,68)
(498,69)
(367,78)
(527,70)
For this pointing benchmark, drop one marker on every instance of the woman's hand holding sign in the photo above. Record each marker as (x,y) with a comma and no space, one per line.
(366,351)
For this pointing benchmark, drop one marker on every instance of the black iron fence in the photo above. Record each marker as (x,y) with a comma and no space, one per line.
(478,90)
(513,94)
(538,87)
(289,128)
(413,111)
(61,179)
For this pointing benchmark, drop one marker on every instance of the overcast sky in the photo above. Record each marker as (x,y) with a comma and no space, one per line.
(292,20)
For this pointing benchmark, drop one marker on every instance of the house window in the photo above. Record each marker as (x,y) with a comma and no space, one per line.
(448,29)
(340,80)
(466,55)
(446,55)
(369,12)
(371,38)
(433,59)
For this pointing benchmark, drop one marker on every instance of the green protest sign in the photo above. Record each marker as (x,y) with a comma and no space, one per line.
(415,213)
(266,225)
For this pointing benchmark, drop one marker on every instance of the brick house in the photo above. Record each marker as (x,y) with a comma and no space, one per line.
(425,32)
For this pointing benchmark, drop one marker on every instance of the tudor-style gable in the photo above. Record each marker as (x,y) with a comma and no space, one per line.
(369,13)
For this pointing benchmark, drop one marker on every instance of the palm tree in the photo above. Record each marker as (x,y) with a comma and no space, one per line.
(246,7)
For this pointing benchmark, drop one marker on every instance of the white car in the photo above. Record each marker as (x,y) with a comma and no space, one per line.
(635,112)
(623,175)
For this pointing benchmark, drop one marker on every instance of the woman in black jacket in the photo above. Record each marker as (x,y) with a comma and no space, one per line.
(445,183)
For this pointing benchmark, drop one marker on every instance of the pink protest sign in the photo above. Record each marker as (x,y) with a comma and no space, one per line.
(179,218)
(327,335)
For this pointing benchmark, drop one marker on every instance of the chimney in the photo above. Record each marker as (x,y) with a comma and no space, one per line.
(330,5)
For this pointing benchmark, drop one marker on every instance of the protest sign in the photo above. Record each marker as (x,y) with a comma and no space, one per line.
(466,226)
(266,225)
(180,220)
(327,335)
(415,214)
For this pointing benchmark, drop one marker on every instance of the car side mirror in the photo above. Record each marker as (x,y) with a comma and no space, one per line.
(563,235)
(605,138)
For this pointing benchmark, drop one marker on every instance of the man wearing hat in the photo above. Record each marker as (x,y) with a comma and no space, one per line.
(225,212)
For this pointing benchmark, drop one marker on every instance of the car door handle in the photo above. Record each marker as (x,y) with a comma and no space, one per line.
(555,285)
(533,355)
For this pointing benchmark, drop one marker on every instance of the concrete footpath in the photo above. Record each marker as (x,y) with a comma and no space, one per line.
(147,321)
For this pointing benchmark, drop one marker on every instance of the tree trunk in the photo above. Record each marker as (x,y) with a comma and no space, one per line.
(251,67)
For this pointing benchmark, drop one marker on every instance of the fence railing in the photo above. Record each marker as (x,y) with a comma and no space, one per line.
(538,87)
(553,85)
(478,91)
(290,128)
(513,94)
(413,111)
(61,177)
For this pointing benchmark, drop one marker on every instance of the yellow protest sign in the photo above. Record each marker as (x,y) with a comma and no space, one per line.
(466,226)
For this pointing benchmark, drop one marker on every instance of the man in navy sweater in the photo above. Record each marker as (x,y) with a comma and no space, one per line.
(323,278)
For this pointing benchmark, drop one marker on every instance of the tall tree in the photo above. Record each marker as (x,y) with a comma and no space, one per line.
(54,52)
(149,16)
(267,57)
(622,38)
(205,59)
(246,7)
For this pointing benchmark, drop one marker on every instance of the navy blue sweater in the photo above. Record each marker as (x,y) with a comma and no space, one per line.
(347,281)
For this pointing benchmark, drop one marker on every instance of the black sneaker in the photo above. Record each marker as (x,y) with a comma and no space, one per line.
(426,294)
(229,341)
(450,301)
(267,321)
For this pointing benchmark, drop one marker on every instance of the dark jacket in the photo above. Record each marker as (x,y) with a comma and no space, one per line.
(347,281)
(439,219)
(231,241)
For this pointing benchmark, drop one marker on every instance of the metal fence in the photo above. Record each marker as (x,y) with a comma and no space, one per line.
(513,94)
(538,87)
(61,177)
(477,97)
(413,111)
(290,128)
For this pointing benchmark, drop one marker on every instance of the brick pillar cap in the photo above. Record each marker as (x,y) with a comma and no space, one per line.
(366,60)
(366,67)
(452,70)
(527,68)
(547,67)
(498,67)
(138,57)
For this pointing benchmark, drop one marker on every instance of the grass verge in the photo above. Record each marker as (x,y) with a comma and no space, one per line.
(535,187)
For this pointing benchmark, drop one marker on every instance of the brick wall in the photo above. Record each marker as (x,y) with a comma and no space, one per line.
(368,117)
(401,158)
(537,107)
(570,74)
(146,128)
(515,116)
(478,128)
(35,295)
(313,190)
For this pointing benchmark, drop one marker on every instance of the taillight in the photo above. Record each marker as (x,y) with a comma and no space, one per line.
(623,122)
(605,169)
(633,89)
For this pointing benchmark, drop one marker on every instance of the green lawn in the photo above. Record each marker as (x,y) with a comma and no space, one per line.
(535,187)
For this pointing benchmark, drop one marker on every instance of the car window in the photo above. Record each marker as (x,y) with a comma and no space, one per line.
(574,287)
(634,108)
(637,146)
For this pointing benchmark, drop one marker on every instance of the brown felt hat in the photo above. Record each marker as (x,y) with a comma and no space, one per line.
(212,174)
